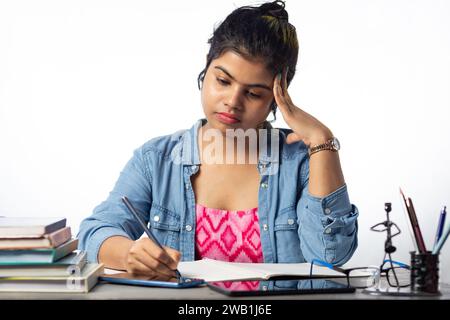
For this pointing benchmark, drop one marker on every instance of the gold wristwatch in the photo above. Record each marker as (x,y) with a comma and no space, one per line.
(331,144)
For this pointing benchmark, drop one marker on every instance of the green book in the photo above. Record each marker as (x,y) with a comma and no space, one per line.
(18,257)
(68,265)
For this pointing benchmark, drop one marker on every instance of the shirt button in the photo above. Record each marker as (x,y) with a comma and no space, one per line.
(156,218)
(327,211)
(187,187)
(264,185)
(265,227)
(194,168)
(188,227)
(290,221)
(328,230)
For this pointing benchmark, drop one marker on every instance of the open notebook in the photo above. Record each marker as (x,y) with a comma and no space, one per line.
(214,270)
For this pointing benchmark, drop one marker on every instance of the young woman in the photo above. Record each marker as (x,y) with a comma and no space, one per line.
(279,196)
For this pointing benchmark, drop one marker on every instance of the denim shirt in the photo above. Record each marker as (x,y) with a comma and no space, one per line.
(294,225)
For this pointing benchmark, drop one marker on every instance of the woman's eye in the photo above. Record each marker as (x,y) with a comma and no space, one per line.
(222,82)
(253,95)
(225,83)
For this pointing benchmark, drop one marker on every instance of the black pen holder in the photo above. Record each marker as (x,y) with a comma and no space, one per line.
(425,272)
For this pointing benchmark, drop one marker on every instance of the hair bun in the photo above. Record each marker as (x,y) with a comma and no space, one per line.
(275,9)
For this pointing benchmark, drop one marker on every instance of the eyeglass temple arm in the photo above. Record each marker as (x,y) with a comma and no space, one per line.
(328,265)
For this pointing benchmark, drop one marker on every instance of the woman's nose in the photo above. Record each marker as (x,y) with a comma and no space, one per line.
(233,98)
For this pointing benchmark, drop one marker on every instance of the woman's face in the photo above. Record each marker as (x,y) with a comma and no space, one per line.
(239,88)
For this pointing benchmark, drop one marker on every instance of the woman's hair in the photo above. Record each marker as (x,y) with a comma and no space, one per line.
(262,32)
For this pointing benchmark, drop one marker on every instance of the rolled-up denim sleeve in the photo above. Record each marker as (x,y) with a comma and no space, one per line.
(111,217)
(328,226)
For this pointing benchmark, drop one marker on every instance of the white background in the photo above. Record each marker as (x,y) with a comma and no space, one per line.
(84,83)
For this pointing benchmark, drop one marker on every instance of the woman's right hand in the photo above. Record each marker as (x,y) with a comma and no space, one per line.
(146,258)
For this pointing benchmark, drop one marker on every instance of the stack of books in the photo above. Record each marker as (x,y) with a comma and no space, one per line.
(40,255)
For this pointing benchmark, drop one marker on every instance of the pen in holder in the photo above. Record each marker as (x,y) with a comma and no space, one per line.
(424,272)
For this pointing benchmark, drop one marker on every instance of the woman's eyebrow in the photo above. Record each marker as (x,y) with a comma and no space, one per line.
(257,85)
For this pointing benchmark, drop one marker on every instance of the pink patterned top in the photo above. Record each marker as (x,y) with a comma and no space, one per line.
(228,235)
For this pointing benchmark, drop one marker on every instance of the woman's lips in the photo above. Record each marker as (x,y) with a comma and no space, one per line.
(226,118)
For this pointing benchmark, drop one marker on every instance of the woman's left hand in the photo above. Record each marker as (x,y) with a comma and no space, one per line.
(305,127)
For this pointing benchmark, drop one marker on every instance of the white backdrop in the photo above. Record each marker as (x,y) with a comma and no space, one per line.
(84,83)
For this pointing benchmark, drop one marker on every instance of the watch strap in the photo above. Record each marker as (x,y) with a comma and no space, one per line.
(324,146)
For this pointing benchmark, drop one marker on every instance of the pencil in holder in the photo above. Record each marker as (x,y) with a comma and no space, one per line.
(425,272)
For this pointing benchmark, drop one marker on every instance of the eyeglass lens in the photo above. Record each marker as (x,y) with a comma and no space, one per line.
(398,277)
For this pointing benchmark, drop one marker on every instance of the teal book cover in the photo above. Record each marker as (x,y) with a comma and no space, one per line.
(10,257)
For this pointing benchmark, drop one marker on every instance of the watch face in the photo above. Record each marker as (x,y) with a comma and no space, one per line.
(335,143)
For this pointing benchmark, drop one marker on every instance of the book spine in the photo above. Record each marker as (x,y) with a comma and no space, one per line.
(56,226)
(59,237)
(64,249)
